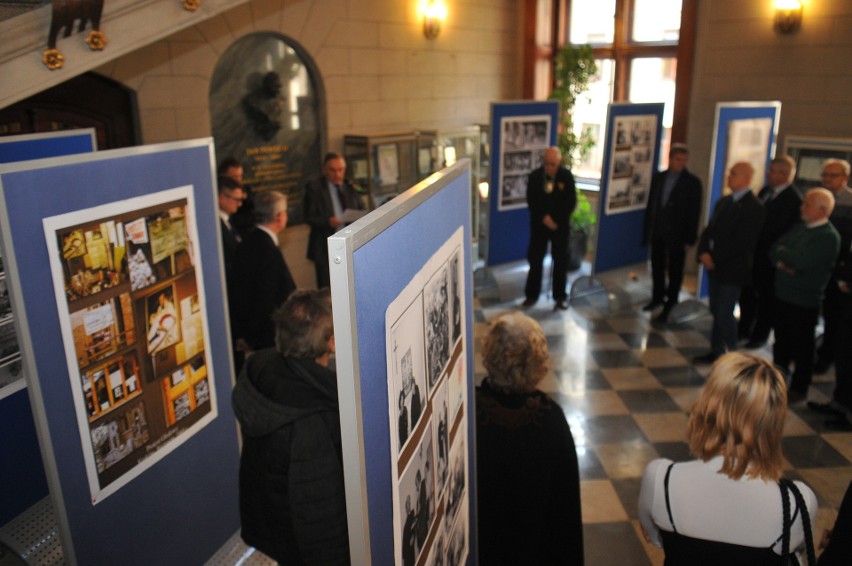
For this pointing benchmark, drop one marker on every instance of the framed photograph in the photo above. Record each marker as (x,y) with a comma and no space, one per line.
(163,325)
(523,142)
(388,159)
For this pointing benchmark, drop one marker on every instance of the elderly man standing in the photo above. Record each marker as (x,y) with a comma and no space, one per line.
(835,178)
(551,196)
(803,258)
(726,250)
(782,202)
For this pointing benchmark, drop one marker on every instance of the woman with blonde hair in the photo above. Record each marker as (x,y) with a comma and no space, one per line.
(527,475)
(730,506)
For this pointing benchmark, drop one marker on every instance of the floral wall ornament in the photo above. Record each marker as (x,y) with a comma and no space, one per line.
(191,5)
(65,14)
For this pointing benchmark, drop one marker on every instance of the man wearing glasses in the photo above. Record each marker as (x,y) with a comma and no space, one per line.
(231,197)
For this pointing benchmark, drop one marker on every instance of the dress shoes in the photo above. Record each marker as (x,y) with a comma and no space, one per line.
(652,305)
(840,424)
(705,359)
(794,396)
(561,305)
(824,408)
(528,303)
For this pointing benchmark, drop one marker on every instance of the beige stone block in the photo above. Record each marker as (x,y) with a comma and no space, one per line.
(293,19)
(240,20)
(379,115)
(193,122)
(840,31)
(158,125)
(476,64)
(191,34)
(192,58)
(353,33)
(321,19)
(405,88)
(217,33)
(454,86)
(382,10)
(150,60)
(339,115)
(402,36)
(333,61)
(364,61)
(432,112)
(431,63)
(393,62)
(266,14)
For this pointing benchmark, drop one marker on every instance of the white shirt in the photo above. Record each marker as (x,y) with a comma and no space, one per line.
(709,505)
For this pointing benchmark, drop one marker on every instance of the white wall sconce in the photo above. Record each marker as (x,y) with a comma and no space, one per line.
(434,13)
(788,16)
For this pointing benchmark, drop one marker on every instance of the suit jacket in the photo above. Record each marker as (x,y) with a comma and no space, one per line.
(559,204)
(676,223)
(229,247)
(731,236)
(319,208)
(782,213)
(261,283)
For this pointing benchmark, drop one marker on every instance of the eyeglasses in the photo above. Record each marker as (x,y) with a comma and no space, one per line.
(833,175)
(233,198)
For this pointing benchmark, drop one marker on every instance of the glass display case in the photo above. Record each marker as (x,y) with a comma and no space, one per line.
(383,165)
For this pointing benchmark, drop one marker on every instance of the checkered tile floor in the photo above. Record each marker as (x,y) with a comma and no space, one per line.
(626,385)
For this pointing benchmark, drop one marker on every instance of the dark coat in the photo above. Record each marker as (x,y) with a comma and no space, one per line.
(229,247)
(676,223)
(319,208)
(261,283)
(292,501)
(528,481)
(559,204)
(782,213)
(731,236)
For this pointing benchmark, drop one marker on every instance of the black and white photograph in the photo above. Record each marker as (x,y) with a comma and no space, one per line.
(441,426)
(408,376)
(457,481)
(436,302)
(631,163)
(417,498)
(121,434)
(457,540)
(455,297)
(523,142)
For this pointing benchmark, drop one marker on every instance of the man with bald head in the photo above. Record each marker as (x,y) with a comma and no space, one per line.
(803,258)
(551,196)
(726,250)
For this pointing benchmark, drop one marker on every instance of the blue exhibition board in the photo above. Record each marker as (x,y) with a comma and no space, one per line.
(184,506)
(20,460)
(508,229)
(727,114)
(619,233)
(372,261)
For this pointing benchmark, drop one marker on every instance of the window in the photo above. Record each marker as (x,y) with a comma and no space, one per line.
(637,44)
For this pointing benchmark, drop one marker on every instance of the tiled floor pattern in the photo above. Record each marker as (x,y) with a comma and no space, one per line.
(626,384)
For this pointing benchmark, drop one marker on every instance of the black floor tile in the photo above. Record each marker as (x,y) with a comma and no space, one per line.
(679,376)
(811,452)
(628,492)
(649,401)
(611,429)
(615,358)
(674,451)
(641,340)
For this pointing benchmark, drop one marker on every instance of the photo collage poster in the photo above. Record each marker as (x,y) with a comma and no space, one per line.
(632,163)
(131,309)
(11,375)
(427,389)
(523,141)
(749,141)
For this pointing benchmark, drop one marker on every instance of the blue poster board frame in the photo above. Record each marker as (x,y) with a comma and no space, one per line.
(20,461)
(184,508)
(619,236)
(509,230)
(726,113)
(364,282)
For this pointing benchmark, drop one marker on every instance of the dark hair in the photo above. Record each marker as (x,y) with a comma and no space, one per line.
(331,155)
(227,184)
(678,148)
(226,164)
(304,324)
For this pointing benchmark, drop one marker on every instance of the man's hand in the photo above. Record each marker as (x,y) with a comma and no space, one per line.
(242,346)
(548,221)
(707,260)
(334,222)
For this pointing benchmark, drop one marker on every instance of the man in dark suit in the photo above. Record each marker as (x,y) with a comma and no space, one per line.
(670,227)
(262,280)
(326,198)
(781,202)
(551,196)
(243,219)
(726,250)
(231,197)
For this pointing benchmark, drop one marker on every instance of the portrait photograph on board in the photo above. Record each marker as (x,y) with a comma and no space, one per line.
(631,164)
(127,280)
(523,143)
(422,449)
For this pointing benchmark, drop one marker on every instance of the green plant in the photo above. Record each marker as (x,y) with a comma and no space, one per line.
(573,66)
(583,218)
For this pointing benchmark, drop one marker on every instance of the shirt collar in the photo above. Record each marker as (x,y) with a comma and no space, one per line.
(271,234)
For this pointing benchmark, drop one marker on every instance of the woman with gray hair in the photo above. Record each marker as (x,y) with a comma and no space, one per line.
(292,504)
(528,480)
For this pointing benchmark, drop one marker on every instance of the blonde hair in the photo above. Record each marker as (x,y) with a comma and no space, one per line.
(515,353)
(740,415)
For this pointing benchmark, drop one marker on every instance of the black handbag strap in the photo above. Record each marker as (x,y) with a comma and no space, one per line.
(668,502)
(806,520)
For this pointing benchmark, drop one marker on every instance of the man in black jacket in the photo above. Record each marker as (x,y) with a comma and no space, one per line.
(670,227)
(726,250)
(781,202)
(551,196)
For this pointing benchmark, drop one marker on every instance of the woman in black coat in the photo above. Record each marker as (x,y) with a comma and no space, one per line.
(527,474)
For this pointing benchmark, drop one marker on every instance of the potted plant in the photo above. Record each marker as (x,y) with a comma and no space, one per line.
(573,67)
